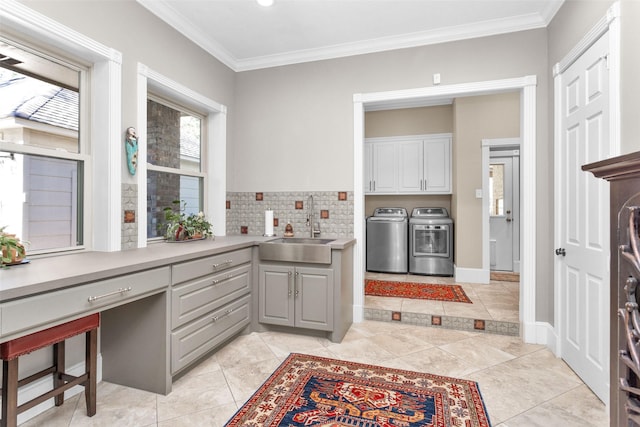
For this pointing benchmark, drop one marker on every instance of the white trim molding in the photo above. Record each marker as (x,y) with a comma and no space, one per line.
(106,65)
(215,151)
(378,100)
(472,275)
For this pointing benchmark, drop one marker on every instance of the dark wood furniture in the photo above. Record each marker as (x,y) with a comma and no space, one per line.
(55,336)
(623,172)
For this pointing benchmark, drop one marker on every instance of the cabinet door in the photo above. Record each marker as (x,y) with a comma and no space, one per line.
(314,298)
(437,161)
(385,177)
(410,166)
(367,181)
(276,295)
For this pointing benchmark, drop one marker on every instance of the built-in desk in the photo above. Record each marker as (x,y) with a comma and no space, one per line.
(131,290)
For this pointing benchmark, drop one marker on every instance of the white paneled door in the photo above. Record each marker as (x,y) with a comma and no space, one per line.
(582,215)
(501,214)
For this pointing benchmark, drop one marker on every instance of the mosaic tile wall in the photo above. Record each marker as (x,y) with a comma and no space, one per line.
(333,210)
(129,220)
(447,322)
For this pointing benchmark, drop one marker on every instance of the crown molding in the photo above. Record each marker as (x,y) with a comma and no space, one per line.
(180,23)
(443,35)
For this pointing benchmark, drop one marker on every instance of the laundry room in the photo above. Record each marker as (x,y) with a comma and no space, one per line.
(430,156)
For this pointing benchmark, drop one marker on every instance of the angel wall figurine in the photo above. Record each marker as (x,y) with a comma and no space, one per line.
(131,145)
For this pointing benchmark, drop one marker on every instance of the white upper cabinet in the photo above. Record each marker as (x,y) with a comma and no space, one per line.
(437,165)
(381,168)
(408,165)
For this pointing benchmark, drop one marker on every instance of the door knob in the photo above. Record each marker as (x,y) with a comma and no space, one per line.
(561,251)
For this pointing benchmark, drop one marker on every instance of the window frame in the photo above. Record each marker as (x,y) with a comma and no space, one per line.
(202,173)
(103,229)
(213,146)
(83,155)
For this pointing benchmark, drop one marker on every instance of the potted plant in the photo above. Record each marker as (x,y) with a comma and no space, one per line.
(181,227)
(13,251)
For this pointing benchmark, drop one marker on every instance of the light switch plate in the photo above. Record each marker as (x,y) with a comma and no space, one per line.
(478,193)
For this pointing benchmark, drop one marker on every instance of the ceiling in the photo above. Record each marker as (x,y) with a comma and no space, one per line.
(247,36)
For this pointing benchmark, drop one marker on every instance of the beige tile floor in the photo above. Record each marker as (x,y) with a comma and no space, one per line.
(522,384)
(497,300)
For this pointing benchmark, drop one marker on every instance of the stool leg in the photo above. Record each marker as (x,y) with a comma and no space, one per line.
(91,366)
(9,393)
(58,364)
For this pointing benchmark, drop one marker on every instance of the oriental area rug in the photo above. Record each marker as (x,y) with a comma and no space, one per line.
(316,391)
(436,292)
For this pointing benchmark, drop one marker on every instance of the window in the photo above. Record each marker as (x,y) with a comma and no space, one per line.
(496,189)
(174,161)
(43,159)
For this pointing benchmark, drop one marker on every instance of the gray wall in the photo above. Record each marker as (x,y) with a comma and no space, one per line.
(301,116)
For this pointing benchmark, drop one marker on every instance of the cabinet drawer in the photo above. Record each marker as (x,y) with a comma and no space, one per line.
(201,267)
(44,310)
(201,336)
(191,300)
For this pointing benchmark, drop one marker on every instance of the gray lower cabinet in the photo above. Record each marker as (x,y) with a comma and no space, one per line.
(210,302)
(296,296)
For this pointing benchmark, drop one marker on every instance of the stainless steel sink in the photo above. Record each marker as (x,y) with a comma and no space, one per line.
(296,249)
(304,240)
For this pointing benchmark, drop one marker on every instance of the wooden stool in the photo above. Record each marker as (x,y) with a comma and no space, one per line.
(55,336)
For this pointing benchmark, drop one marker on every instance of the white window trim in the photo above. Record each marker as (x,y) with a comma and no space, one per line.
(214,147)
(102,224)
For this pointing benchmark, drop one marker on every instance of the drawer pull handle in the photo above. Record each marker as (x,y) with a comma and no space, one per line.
(226,313)
(119,291)
(222,264)
(216,281)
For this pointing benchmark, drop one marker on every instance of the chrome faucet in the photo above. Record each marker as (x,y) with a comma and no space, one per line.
(314,228)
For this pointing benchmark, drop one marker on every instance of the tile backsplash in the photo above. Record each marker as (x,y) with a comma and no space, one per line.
(333,210)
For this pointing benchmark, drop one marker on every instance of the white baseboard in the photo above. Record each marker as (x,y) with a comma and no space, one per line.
(542,333)
(472,275)
(43,385)
(358,313)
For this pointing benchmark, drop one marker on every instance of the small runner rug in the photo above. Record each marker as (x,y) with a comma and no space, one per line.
(384,288)
(316,391)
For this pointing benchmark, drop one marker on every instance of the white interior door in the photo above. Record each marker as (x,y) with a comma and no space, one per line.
(501,214)
(582,216)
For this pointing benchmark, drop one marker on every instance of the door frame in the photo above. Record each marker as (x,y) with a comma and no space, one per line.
(526,86)
(487,145)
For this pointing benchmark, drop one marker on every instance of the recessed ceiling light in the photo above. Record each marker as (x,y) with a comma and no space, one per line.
(265,3)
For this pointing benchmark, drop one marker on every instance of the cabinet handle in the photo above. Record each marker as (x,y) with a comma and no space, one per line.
(120,291)
(296,283)
(374,185)
(222,264)
(222,316)
(289,273)
(216,281)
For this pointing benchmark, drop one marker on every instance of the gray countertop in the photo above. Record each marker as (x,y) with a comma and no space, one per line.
(48,274)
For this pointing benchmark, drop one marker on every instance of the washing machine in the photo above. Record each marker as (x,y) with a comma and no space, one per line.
(387,240)
(431,242)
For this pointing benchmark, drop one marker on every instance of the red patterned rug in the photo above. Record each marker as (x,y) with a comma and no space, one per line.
(384,288)
(316,391)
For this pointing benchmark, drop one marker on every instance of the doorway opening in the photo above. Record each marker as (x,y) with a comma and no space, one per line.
(423,96)
(501,216)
